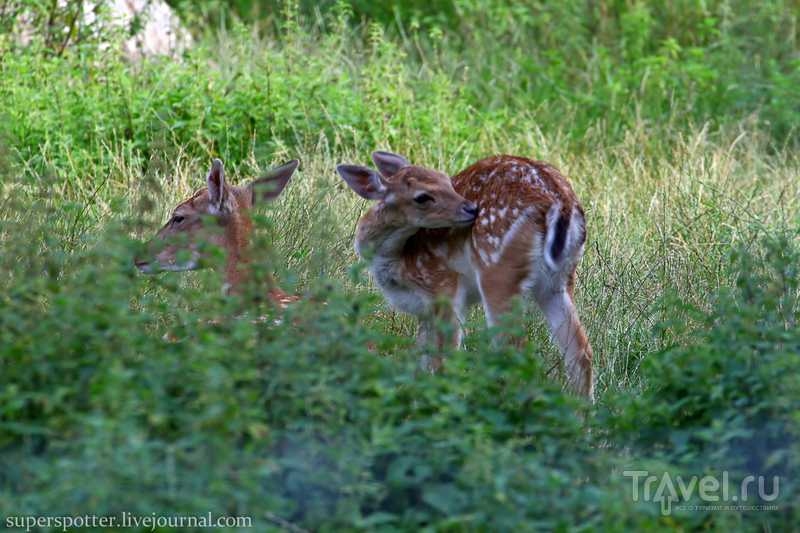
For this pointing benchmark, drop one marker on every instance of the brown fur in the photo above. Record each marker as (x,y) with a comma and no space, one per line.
(229,206)
(505,251)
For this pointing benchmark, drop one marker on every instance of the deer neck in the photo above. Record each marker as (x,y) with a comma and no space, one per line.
(237,241)
(379,230)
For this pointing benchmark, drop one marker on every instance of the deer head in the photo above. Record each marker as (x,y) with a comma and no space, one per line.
(217,215)
(411,196)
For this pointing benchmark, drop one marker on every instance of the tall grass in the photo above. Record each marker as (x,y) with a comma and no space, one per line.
(98,139)
(661,220)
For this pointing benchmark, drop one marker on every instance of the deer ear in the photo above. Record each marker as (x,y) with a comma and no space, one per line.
(388,163)
(269,186)
(366,182)
(216,187)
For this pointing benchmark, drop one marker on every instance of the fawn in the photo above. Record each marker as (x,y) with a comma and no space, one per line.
(229,206)
(506,226)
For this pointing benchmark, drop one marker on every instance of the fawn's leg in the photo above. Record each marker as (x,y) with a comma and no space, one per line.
(498,292)
(559,308)
(431,338)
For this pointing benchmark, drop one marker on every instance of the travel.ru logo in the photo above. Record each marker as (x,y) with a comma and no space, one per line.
(708,488)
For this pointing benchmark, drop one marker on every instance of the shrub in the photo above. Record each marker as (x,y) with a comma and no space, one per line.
(728,400)
(293,414)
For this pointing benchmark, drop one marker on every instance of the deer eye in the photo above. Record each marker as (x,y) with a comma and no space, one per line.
(177,219)
(422,199)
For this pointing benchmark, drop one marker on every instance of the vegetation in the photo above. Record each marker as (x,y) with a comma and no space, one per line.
(674,122)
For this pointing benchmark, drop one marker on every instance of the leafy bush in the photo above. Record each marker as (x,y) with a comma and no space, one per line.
(728,401)
(294,417)
(482,75)
(618,61)
(256,100)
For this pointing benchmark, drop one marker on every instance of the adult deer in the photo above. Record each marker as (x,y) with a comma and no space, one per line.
(506,226)
(217,215)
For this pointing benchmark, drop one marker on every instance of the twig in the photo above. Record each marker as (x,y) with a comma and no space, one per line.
(86,206)
(288,525)
(78,10)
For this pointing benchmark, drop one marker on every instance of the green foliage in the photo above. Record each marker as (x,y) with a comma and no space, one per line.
(486,72)
(56,28)
(297,416)
(728,401)
(739,379)
(259,101)
(293,413)
(684,61)
(293,417)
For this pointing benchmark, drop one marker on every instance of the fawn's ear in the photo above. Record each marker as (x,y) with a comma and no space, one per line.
(388,163)
(366,182)
(217,192)
(269,186)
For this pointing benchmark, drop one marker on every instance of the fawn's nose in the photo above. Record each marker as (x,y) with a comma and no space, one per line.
(470,209)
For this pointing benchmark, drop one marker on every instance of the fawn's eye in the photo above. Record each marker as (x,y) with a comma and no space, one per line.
(422,199)
(177,219)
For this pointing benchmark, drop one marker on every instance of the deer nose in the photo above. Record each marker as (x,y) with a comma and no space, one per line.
(470,208)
